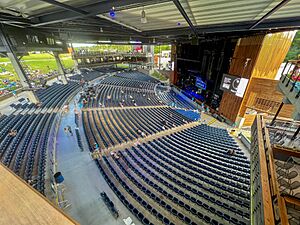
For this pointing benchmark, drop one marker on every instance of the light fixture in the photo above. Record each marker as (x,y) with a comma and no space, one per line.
(143,17)
(112,12)
(101,30)
(104,41)
(135,42)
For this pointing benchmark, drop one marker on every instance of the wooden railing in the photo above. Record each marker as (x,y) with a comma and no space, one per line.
(262,211)
(268,204)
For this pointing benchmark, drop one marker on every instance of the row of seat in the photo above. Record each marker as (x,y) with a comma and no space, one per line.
(125,82)
(128,203)
(25,152)
(138,76)
(120,125)
(175,190)
(170,98)
(115,96)
(54,95)
(197,178)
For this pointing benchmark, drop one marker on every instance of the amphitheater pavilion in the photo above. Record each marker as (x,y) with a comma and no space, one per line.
(207,132)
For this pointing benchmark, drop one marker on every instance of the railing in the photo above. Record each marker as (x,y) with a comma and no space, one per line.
(56,189)
(269,202)
(292,85)
(179,92)
(290,78)
(282,132)
(262,211)
(245,141)
(107,54)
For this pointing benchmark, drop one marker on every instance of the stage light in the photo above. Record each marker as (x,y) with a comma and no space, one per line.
(143,17)
(112,13)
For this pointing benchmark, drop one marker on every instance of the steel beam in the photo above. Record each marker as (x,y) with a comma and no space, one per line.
(16,64)
(280,25)
(84,13)
(185,16)
(14,59)
(60,67)
(275,9)
(66,7)
(92,9)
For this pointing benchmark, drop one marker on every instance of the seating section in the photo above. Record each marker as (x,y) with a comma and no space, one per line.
(25,152)
(108,69)
(183,178)
(172,99)
(55,95)
(186,177)
(88,76)
(125,82)
(138,76)
(122,96)
(120,125)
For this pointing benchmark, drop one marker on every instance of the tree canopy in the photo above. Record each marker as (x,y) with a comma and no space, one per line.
(294,51)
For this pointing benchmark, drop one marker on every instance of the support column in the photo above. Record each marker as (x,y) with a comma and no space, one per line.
(73,56)
(17,66)
(152,57)
(159,61)
(60,68)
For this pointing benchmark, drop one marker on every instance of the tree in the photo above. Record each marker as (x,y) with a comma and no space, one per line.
(294,51)
(158,48)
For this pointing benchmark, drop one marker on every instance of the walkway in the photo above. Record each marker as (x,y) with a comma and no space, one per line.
(126,107)
(84,181)
(151,137)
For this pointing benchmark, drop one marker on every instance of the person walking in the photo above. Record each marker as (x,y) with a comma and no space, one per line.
(70,130)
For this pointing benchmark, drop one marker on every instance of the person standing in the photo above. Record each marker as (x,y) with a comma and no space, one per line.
(66,131)
(69,130)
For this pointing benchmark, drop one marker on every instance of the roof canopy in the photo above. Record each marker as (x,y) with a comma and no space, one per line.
(166,20)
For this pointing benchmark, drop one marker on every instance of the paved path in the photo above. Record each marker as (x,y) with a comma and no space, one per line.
(126,107)
(84,181)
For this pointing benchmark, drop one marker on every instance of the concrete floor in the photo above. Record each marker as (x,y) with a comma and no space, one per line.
(4,106)
(84,181)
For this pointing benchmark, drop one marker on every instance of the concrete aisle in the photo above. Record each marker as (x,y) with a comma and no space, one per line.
(84,181)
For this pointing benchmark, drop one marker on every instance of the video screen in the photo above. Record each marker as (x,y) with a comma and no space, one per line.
(200,83)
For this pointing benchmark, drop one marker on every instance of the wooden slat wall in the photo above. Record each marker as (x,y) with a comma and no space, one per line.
(266,53)
(267,89)
(230,105)
(273,51)
(248,47)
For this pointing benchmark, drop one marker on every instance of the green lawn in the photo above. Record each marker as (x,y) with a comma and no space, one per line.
(43,62)
(158,76)
(123,66)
